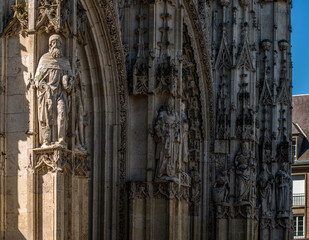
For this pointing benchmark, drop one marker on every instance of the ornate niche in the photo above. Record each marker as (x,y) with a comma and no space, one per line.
(57,16)
(60,109)
(60,159)
(18,22)
(184,136)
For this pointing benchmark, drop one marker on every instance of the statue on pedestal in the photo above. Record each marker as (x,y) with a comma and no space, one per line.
(168,137)
(221,188)
(245,175)
(265,181)
(54,82)
(283,185)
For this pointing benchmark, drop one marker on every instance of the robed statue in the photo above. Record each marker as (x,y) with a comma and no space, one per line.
(245,174)
(54,81)
(167,132)
(265,182)
(283,190)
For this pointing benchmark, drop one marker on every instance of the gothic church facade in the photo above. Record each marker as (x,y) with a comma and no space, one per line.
(145,119)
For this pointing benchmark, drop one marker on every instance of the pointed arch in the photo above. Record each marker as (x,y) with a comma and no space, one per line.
(107,63)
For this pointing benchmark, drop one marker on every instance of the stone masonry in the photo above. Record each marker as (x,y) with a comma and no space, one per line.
(145,119)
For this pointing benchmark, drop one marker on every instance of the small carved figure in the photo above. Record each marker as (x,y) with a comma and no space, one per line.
(80,113)
(245,174)
(184,156)
(185,130)
(283,185)
(265,181)
(168,137)
(221,188)
(54,82)
(196,186)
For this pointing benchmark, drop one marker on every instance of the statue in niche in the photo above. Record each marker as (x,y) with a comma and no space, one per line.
(168,137)
(245,174)
(54,82)
(283,185)
(80,112)
(265,182)
(221,188)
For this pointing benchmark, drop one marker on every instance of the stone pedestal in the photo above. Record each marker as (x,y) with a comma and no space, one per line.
(159,210)
(61,193)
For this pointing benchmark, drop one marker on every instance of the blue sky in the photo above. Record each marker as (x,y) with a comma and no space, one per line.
(300,46)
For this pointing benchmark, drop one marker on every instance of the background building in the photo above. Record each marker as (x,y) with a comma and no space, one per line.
(300,169)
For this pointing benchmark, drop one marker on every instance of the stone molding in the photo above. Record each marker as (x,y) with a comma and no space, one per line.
(57,158)
(158,190)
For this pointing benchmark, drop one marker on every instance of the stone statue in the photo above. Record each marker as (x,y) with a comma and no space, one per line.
(54,82)
(245,174)
(221,188)
(80,112)
(283,185)
(184,154)
(185,130)
(168,137)
(195,186)
(265,182)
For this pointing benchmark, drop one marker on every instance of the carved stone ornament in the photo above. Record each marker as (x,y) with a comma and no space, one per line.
(57,159)
(167,73)
(167,78)
(52,14)
(245,119)
(140,68)
(19,23)
(158,190)
(57,16)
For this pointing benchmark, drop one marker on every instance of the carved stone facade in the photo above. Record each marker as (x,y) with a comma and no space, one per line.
(145,119)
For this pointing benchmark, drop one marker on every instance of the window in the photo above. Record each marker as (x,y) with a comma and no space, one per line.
(298,190)
(298,226)
(294,148)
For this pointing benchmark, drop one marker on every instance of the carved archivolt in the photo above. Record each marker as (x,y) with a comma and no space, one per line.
(205,64)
